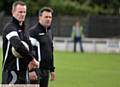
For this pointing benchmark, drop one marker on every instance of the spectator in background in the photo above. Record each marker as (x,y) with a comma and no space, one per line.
(42,40)
(77,35)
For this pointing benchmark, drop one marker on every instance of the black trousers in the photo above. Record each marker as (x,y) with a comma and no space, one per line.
(14,77)
(78,39)
(43,78)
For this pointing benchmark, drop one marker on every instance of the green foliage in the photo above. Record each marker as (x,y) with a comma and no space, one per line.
(80,7)
(34,5)
(68,7)
(1,5)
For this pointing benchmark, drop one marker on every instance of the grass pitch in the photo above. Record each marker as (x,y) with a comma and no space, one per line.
(85,70)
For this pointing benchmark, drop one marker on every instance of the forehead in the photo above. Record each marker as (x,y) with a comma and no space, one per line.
(20,7)
(46,13)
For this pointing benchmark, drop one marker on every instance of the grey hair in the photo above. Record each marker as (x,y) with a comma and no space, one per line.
(17,3)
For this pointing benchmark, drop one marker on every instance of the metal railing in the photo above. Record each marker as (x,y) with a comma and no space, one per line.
(91,44)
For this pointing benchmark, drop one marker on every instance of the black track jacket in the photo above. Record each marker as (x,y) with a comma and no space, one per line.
(43,45)
(13,33)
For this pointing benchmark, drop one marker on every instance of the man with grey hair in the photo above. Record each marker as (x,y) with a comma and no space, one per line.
(15,69)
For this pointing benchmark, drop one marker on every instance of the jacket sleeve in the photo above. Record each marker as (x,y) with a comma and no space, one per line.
(35,44)
(52,67)
(15,41)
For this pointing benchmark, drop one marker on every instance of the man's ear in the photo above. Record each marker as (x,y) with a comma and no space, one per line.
(39,17)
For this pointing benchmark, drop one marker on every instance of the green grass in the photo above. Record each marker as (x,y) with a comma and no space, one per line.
(86,70)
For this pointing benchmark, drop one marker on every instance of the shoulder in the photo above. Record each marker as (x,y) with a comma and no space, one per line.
(9,27)
(33,31)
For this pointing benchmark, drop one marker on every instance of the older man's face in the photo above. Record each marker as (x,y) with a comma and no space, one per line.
(19,12)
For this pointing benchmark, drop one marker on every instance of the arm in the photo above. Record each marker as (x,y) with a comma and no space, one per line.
(14,39)
(52,68)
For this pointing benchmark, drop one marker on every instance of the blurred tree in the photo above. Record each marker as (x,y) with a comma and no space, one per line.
(109,6)
(34,5)
(68,7)
(6,6)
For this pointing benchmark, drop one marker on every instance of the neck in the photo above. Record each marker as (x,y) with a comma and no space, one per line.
(46,29)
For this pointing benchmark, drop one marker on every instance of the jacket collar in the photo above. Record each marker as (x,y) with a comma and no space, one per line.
(14,20)
(43,28)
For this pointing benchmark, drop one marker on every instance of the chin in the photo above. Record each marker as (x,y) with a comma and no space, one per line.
(48,25)
(22,20)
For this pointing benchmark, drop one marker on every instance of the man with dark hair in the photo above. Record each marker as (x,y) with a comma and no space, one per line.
(15,69)
(45,9)
(42,40)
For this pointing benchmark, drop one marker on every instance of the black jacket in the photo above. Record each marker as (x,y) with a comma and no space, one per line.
(13,33)
(43,45)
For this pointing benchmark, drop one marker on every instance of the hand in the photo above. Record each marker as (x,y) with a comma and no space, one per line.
(33,64)
(33,75)
(52,76)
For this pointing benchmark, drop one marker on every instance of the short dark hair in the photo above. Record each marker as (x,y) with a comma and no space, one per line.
(17,3)
(48,9)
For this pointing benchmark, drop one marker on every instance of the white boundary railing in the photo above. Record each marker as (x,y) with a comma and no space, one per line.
(89,44)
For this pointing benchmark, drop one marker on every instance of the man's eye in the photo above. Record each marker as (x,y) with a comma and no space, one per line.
(22,12)
(48,17)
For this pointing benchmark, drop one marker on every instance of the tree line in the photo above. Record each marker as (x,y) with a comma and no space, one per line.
(68,7)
